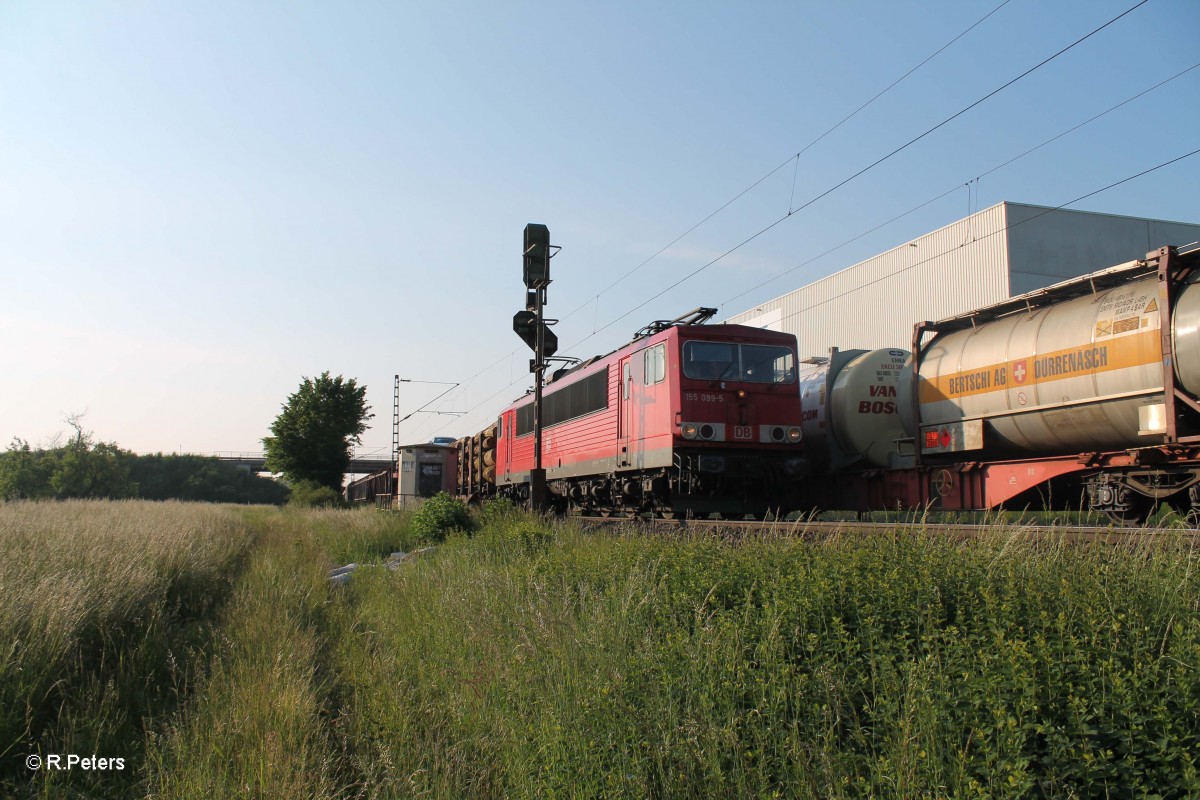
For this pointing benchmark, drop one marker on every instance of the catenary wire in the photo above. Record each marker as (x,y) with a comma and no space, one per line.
(862,171)
(1005,229)
(834,188)
(957,186)
(958,114)
(912,266)
(795,157)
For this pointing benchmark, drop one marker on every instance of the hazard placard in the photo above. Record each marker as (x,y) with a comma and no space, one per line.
(952,437)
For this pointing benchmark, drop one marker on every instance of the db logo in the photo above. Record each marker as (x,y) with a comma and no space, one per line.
(741,431)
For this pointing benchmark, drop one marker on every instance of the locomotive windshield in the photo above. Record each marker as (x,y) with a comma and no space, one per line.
(727,361)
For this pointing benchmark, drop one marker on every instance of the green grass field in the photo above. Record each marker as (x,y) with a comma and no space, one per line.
(205,646)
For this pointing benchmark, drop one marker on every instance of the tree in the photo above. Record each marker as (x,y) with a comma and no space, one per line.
(89,469)
(25,472)
(311,437)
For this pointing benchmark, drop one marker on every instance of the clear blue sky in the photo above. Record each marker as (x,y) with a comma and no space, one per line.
(203,202)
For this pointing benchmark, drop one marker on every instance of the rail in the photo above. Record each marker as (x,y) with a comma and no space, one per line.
(994,531)
(362,462)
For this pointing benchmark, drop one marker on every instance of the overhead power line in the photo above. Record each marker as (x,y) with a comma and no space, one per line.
(795,157)
(958,186)
(1005,229)
(837,186)
(919,263)
(861,172)
(958,114)
(896,82)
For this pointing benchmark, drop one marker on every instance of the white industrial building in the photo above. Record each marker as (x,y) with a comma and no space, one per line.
(999,252)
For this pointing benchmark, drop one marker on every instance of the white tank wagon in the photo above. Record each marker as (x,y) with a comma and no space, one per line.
(1107,363)
(850,408)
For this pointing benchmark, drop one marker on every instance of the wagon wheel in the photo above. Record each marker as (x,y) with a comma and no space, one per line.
(1139,512)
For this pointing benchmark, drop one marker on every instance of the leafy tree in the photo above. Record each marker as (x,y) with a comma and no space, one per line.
(88,469)
(81,468)
(311,437)
(25,472)
(94,470)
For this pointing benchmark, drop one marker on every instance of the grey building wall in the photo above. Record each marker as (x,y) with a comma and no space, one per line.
(1047,245)
(1007,249)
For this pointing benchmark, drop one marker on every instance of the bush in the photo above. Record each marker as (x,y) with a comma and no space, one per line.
(895,666)
(529,537)
(439,515)
(496,510)
(312,494)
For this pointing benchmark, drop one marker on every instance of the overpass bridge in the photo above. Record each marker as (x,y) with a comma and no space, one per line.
(364,462)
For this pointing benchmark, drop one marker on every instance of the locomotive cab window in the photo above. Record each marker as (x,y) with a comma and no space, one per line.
(655,364)
(726,361)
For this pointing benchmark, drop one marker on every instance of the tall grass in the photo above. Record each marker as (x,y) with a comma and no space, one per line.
(262,724)
(207,647)
(533,662)
(102,606)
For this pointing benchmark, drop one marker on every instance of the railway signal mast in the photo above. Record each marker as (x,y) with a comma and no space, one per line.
(531,325)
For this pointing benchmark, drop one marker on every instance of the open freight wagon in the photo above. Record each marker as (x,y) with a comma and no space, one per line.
(476,475)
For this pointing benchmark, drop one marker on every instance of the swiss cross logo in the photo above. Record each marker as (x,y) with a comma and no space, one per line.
(1019,371)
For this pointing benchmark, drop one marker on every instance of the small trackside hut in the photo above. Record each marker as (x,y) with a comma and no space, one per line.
(425,470)
(421,471)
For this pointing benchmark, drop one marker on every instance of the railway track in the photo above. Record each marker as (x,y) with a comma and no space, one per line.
(994,531)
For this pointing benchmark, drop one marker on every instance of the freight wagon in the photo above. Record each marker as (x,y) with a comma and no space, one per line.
(1084,393)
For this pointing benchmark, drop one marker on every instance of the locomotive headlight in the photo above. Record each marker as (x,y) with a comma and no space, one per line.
(689,430)
(793,435)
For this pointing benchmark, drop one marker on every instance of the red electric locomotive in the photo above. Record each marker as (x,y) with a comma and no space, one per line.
(685,419)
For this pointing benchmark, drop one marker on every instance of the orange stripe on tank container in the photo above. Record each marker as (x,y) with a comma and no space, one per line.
(1135,350)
